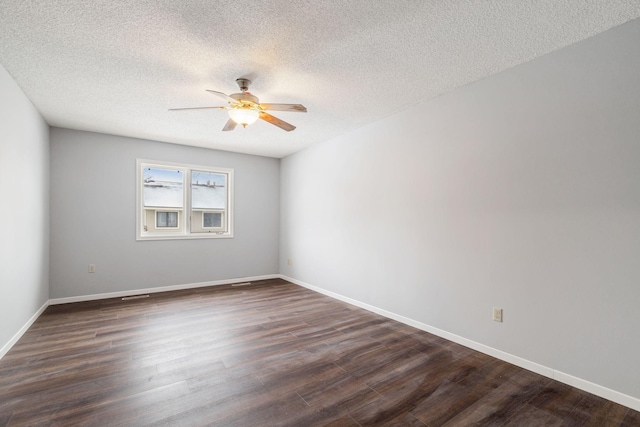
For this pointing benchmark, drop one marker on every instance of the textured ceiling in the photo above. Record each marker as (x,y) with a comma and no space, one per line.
(116,66)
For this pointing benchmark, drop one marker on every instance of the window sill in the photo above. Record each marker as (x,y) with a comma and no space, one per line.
(185,236)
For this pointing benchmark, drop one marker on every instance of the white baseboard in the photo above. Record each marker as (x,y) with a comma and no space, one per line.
(598,390)
(5,349)
(129,293)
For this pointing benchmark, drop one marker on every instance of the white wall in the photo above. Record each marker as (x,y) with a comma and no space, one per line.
(521,191)
(93,209)
(24,210)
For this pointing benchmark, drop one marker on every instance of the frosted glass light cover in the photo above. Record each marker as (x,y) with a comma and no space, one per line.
(243,116)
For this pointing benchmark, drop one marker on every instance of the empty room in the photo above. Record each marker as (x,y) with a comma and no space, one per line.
(329,213)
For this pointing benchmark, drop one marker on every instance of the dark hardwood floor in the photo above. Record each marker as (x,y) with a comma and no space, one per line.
(269,354)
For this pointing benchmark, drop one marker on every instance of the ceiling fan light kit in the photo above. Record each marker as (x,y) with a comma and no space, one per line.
(244,115)
(244,108)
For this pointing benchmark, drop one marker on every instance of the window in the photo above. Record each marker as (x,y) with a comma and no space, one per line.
(212,220)
(166,219)
(179,201)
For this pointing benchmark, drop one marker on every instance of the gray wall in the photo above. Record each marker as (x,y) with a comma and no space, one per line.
(24,212)
(93,206)
(521,191)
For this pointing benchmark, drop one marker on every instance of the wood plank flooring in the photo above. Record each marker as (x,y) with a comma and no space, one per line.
(269,354)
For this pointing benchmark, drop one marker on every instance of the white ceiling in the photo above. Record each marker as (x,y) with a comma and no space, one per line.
(116,66)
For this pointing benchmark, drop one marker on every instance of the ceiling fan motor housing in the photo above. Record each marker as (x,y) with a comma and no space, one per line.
(245,96)
(247,108)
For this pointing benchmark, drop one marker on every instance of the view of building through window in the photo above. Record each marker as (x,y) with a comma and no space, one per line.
(208,190)
(166,219)
(163,188)
(181,200)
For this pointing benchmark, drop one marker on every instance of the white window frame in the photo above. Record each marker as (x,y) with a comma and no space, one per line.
(184,219)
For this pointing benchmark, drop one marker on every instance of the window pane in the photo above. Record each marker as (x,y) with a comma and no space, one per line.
(162,188)
(166,219)
(172,219)
(161,219)
(212,220)
(208,190)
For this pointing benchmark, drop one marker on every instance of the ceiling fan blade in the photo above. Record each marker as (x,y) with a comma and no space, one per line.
(230,125)
(276,121)
(221,95)
(285,107)
(197,108)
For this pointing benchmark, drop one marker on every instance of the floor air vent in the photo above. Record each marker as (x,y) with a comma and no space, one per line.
(135,297)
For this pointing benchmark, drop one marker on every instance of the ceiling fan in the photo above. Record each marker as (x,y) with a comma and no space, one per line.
(244,108)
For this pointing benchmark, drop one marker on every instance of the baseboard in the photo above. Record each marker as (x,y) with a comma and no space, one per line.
(598,390)
(5,349)
(128,293)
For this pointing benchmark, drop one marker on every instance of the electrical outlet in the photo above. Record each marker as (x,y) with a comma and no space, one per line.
(289,261)
(92,268)
(497,314)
